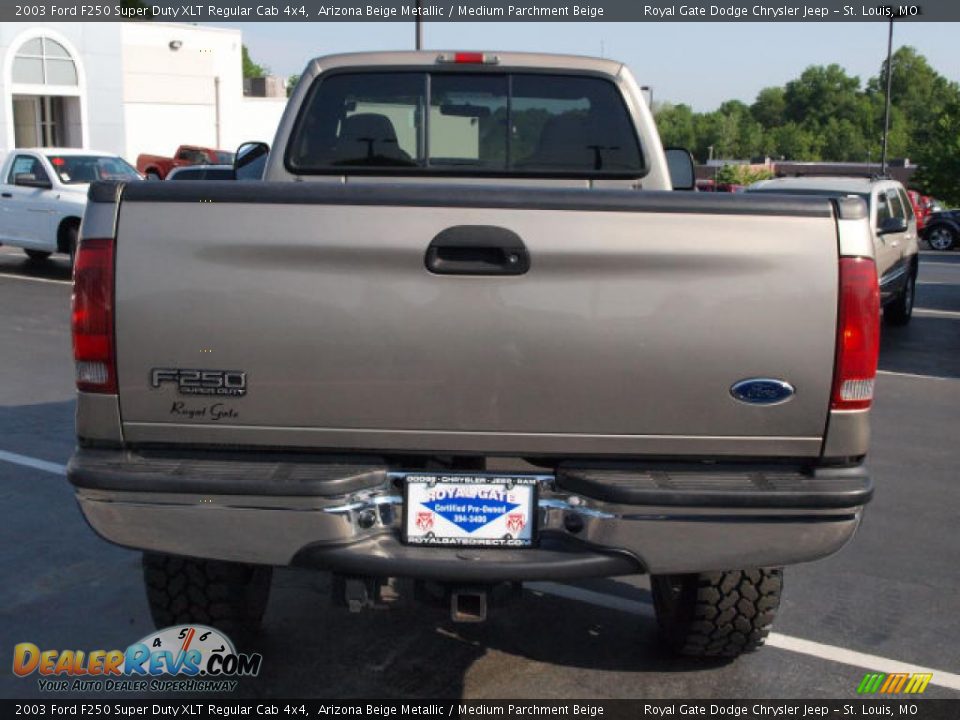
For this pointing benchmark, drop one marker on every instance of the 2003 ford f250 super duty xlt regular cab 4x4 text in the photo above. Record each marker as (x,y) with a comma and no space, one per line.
(465,335)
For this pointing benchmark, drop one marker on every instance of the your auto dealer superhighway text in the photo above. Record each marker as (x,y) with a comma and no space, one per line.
(735,11)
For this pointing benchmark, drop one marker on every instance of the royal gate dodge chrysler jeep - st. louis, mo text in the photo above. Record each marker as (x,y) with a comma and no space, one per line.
(467,333)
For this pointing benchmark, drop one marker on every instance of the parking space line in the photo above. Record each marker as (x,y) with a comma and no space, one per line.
(36,279)
(34,463)
(783,642)
(936,313)
(859,659)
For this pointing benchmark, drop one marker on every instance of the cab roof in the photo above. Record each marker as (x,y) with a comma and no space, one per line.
(430,58)
(846,185)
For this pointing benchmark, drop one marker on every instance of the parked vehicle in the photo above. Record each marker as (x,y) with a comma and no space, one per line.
(894,226)
(202,172)
(43,193)
(942,231)
(711,186)
(157,167)
(472,354)
(920,209)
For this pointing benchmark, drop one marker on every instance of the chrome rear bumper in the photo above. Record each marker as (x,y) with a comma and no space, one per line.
(591,522)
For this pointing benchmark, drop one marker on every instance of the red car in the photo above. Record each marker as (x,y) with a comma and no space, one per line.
(155,167)
(921,207)
(711,186)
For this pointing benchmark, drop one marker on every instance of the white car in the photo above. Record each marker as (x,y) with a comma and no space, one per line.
(43,194)
(202,172)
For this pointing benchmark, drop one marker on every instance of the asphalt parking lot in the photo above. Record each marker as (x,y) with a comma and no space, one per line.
(891,597)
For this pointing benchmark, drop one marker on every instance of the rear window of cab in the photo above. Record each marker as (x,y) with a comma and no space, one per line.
(465,123)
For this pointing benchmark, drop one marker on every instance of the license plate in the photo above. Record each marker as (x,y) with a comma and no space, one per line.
(470,510)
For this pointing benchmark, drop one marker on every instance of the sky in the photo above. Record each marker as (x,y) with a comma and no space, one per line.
(700,64)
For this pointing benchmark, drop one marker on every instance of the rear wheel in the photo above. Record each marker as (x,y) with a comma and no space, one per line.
(940,237)
(73,236)
(37,255)
(900,310)
(719,614)
(230,597)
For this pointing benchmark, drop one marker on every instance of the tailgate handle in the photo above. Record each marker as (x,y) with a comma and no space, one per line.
(477,250)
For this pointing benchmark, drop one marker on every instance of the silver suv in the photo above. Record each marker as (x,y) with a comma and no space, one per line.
(893,223)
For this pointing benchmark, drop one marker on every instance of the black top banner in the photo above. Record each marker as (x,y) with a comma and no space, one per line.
(477,11)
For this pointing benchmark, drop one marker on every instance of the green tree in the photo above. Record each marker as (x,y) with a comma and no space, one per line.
(250,68)
(750,138)
(718,135)
(916,88)
(825,114)
(731,117)
(731,131)
(742,174)
(794,142)
(820,93)
(292,83)
(769,107)
(676,124)
(919,96)
(939,173)
(844,141)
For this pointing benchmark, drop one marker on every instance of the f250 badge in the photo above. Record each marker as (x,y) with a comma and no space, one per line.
(231,383)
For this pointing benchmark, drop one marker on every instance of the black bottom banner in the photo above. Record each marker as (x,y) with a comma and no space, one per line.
(416,710)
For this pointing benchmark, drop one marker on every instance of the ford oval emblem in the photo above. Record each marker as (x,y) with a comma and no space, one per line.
(762,391)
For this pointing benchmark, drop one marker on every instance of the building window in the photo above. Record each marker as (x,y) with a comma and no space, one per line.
(42,61)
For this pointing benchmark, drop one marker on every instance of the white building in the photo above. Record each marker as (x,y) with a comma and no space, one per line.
(127,88)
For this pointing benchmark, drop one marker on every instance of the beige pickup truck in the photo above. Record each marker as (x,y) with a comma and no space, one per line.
(895,239)
(466,333)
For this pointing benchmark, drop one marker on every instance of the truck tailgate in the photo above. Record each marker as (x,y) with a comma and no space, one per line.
(638,313)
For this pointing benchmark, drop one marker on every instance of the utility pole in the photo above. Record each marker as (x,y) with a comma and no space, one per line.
(418,39)
(648,89)
(886,112)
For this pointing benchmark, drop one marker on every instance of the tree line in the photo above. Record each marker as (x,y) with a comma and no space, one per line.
(826,114)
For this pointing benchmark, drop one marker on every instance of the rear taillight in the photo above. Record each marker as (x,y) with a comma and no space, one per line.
(92,318)
(858,334)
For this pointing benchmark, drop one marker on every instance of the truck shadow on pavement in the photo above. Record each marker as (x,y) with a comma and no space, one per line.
(313,648)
